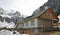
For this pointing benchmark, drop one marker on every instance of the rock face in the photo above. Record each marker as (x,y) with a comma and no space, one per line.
(8,19)
(16,14)
(54,4)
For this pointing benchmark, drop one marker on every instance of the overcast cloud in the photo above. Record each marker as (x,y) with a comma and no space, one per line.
(26,7)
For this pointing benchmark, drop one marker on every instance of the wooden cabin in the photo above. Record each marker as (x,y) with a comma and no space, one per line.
(40,21)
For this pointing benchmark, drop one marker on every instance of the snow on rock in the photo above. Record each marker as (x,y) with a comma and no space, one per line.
(5,15)
(7,25)
(8,18)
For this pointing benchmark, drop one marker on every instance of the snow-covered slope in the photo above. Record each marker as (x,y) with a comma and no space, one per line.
(5,23)
(8,19)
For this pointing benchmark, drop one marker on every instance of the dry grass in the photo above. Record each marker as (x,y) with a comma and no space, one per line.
(49,33)
(56,33)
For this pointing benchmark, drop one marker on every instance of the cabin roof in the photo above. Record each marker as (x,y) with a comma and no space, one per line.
(36,13)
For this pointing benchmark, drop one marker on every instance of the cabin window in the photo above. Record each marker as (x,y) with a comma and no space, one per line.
(32,22)
(47,14)
(26,23)
(50,14)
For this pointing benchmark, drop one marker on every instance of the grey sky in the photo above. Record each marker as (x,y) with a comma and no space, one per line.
(26,7)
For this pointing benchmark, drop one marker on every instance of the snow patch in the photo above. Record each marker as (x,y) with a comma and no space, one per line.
(7,25)
(7,32)
(5,16)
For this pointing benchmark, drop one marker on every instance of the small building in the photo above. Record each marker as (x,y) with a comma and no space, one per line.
(41,20)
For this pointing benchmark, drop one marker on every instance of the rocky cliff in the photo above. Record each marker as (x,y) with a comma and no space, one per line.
(54,4)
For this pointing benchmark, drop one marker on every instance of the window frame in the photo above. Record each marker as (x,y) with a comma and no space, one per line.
(47,14)
(26,23)
(32,22)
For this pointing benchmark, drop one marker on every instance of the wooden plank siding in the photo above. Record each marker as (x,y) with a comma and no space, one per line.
(49,11)
(44,20)
(44,23)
